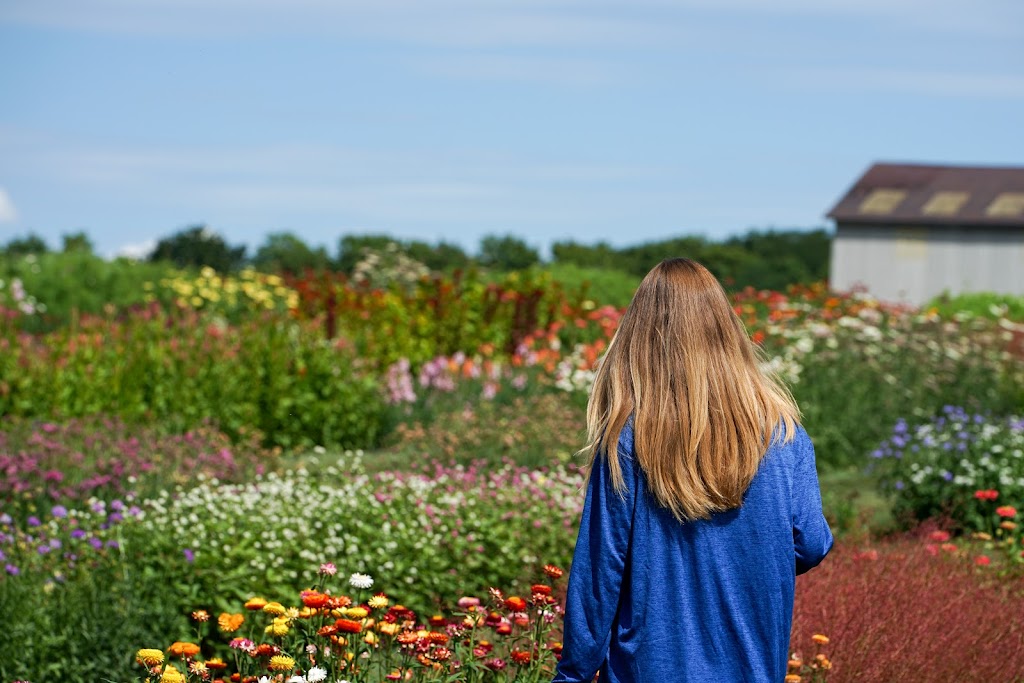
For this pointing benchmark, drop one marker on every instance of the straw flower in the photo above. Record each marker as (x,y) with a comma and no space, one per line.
(379,601)
(275,608)
(820,639)
(360,581)
(229,623)
(792,678)
(184,649)
(201,615)
(278,628)
(255,604)
(281,663)
(149,657)
(172,675)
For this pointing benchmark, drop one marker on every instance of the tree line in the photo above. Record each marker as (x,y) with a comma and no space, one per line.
(768,259)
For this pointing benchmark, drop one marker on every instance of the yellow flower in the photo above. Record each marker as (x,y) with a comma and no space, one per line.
(149,657)
(281,663)
(356,612)
(792,678)
(278,628)
(371,638)
(378,602)
(255,604)
(229,623)
(388,629)
(172,675)
(981,536)
(820,639)
(275,608)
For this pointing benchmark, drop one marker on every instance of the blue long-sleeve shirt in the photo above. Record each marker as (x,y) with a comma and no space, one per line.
(652,599)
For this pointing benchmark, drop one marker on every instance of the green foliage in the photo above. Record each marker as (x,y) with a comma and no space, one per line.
(199,246)
(22,246)
(77,241)
(180,369)
(604,286)
(78,282)
(982,304)
(285,252)
(507,253)
(763,260)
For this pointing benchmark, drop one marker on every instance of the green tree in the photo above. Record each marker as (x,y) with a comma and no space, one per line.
(507,253)
(29,244)
(199,246)
(443,256)
(284,252)
(77,241)
(350,249)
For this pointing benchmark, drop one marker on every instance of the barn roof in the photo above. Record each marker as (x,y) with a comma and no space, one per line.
(920,194)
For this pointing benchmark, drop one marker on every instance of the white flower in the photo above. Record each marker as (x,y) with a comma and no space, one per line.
(296,679)
(316,674)
(362,581)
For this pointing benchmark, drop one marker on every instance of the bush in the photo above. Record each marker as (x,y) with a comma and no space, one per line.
(934,469)
(179,368)
(982,304)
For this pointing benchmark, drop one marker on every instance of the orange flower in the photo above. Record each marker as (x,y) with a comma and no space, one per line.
(229,623)
(520,657)
(820,639)
(436,637)
(348,626)
(201,615)
(255,604)
(314,599)
(540,589)
(515,603)
(1008,525)
(1006,511)
(792,678)
(216,663)
(184,649)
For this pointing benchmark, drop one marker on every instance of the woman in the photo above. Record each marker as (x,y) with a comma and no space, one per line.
(696,524)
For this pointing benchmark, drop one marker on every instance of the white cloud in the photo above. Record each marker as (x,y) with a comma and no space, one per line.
(8,214)
(137,251)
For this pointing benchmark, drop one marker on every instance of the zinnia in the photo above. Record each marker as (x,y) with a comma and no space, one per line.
(1006,511)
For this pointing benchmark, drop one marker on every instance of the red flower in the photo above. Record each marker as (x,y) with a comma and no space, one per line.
(541,589)
(520,657)
(939,536)
(348,626)
(982,561)
(1006,511)
(553,571)
(515,603)
(314,599)
(986,494)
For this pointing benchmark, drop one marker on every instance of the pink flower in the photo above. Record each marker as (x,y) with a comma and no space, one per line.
(328,569)
(982,561)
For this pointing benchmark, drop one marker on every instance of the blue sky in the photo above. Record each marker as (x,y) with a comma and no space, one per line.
(615,120)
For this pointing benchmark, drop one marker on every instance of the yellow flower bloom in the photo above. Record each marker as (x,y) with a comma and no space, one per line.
(378,602)
(255,604)
(820,639)
(356,612)
(275,608)
(172,675)
(281,663)
(149,657)
(371,638)
(278,628)
(388,629)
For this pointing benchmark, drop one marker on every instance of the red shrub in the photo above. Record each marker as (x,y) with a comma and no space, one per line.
(898,612)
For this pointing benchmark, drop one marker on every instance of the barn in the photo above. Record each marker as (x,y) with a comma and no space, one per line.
(908,232)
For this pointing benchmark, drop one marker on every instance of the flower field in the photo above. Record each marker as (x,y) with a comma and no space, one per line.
(177,465)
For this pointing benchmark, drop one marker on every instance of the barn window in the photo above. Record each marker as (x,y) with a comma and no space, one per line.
(1006,205)
(882,201)
(945,203)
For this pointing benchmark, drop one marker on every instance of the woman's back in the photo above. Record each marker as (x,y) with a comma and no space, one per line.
(655,599)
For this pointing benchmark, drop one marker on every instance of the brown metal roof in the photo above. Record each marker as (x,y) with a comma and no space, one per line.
(920,194)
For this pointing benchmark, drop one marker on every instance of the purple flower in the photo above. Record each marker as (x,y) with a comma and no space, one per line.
(116,505)
(43,549)
(116,517)
(189,555)
(34,521)
(78,533)
(134,511)
(95,543)
(947,475)
(5,519)
(59,511)
(12,570)
(113,544)
(899,486)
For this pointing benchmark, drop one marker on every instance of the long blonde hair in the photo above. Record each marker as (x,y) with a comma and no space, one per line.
(704,412)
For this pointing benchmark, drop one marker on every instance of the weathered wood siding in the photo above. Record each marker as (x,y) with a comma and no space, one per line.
(912,264)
